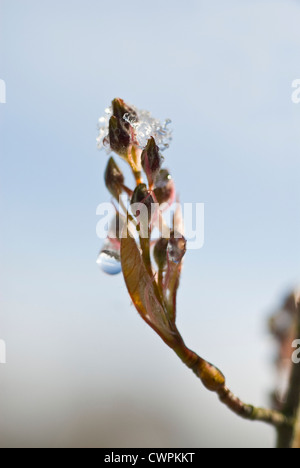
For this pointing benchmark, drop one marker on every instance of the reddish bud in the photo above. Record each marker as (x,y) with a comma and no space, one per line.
(164,187)
(120,108)
(142,196)
(151,161)
(119,137)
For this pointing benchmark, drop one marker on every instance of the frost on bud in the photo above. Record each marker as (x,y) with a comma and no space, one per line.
(119,137)
(160,252)
(151,161)
(114,178)
(176,247)
(120,108)
(164,187)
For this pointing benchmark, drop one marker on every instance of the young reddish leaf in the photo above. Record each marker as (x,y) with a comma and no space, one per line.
(142,291)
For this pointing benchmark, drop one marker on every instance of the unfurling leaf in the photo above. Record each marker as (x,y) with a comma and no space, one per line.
(142,290)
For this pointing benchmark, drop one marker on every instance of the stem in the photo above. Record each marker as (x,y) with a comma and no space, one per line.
(138,177)
(127,190)
(135,164)
(214,381)
(292,406)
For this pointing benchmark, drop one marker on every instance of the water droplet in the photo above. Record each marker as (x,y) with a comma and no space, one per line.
(109,262)
(176,248)
(164,187)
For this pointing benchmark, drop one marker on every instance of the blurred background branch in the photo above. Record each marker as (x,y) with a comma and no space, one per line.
(285,326)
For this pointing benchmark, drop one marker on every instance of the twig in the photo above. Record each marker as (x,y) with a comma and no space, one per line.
(156,301)
(214,381)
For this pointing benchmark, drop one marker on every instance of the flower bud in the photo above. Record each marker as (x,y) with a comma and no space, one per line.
(160,252)
(119,137)
(120,108)
(114,179)
(151,161)
(141,196)
(164,187)
(176,247)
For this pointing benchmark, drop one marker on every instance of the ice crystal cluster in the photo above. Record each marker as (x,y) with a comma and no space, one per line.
(144,126)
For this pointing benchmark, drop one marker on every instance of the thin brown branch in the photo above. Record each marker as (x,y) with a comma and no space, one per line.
(156,301)
(214,381)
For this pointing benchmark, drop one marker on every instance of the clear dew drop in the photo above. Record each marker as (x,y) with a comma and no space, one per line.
(172,254)
(109,263)
(176,248)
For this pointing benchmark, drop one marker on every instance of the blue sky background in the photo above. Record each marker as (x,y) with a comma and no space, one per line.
(83,369)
